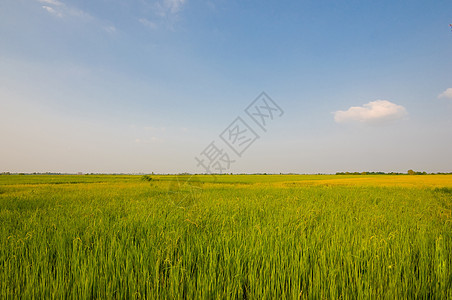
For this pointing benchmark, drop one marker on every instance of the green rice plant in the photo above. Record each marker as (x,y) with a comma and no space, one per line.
(240,237)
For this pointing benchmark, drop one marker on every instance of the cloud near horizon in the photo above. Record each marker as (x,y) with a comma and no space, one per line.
(446,94)
(373,112)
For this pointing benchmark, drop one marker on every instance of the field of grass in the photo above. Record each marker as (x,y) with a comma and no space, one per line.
(233,236)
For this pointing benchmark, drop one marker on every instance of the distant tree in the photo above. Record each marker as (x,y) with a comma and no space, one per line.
(411,172)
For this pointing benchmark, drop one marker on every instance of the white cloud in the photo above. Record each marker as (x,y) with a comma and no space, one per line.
(75,12)
(52,11)
(174,5)
(372,112)
(148,23)
(110,29)
(60,9)
(446,94)
(51,2)
(165,14)
(69,12)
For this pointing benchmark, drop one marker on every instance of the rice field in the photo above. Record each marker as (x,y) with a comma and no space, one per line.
(232,236)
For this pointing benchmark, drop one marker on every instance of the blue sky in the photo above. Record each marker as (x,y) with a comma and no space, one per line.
(147,85)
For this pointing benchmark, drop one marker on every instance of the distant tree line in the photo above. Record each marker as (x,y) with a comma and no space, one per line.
(409,172)
(34,173)
(149,178)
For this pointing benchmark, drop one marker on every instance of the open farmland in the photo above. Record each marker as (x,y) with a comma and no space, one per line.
(233,236)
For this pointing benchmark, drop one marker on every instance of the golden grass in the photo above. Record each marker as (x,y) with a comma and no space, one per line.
(416,181)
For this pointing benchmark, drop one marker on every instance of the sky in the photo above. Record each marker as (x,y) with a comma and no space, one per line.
(171,86)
